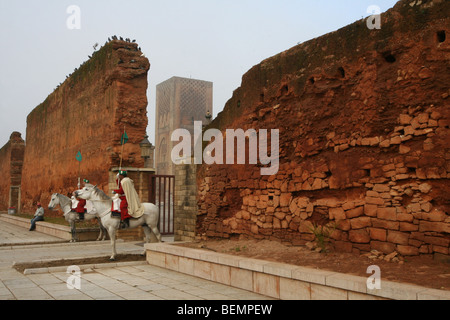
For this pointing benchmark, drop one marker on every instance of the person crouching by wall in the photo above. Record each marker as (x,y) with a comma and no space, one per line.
(38,216)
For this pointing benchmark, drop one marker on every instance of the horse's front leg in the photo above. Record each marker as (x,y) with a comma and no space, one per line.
(100,234)
(73,230)
(112,236)
(105,233)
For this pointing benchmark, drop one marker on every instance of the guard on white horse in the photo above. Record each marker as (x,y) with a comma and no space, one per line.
(149,218)
(130,204)
(72,217)
(121,199)
(79,207)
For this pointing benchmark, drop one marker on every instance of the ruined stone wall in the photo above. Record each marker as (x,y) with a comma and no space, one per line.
(87,113)
(5,181)
(11,162)
(364,140)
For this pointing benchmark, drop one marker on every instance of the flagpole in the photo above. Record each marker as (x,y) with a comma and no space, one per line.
(79,158)
(122,140)
(79,175)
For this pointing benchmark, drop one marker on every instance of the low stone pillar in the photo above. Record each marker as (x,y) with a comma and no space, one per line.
(185,202)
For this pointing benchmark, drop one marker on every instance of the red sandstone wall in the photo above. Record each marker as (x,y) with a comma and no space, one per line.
(11,161)
(364,131)
(87,112)
(5,164)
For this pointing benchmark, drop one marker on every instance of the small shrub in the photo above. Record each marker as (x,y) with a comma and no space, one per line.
(322,234)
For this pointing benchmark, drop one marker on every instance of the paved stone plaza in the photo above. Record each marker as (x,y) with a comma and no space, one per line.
(127,281)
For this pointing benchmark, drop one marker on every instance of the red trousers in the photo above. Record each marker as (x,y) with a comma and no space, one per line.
(124,209)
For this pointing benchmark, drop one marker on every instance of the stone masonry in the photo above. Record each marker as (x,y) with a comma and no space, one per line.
(185,202)
(179,102)
(88,112)
(11,163)
(364,123)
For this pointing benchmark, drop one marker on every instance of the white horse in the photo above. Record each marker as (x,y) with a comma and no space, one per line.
(103,204)
(71,217)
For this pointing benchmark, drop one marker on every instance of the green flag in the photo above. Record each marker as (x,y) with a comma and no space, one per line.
(79,157)
(124,138)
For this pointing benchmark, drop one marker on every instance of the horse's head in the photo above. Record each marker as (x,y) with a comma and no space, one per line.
(54,201)
(86,193)
(91,192)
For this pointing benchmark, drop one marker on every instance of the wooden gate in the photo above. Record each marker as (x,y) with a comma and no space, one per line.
(162,194)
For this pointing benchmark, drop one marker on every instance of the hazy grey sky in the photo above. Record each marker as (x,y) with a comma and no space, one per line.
(213,40)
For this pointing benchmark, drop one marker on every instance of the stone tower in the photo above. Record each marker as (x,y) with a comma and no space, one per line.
(179,102)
